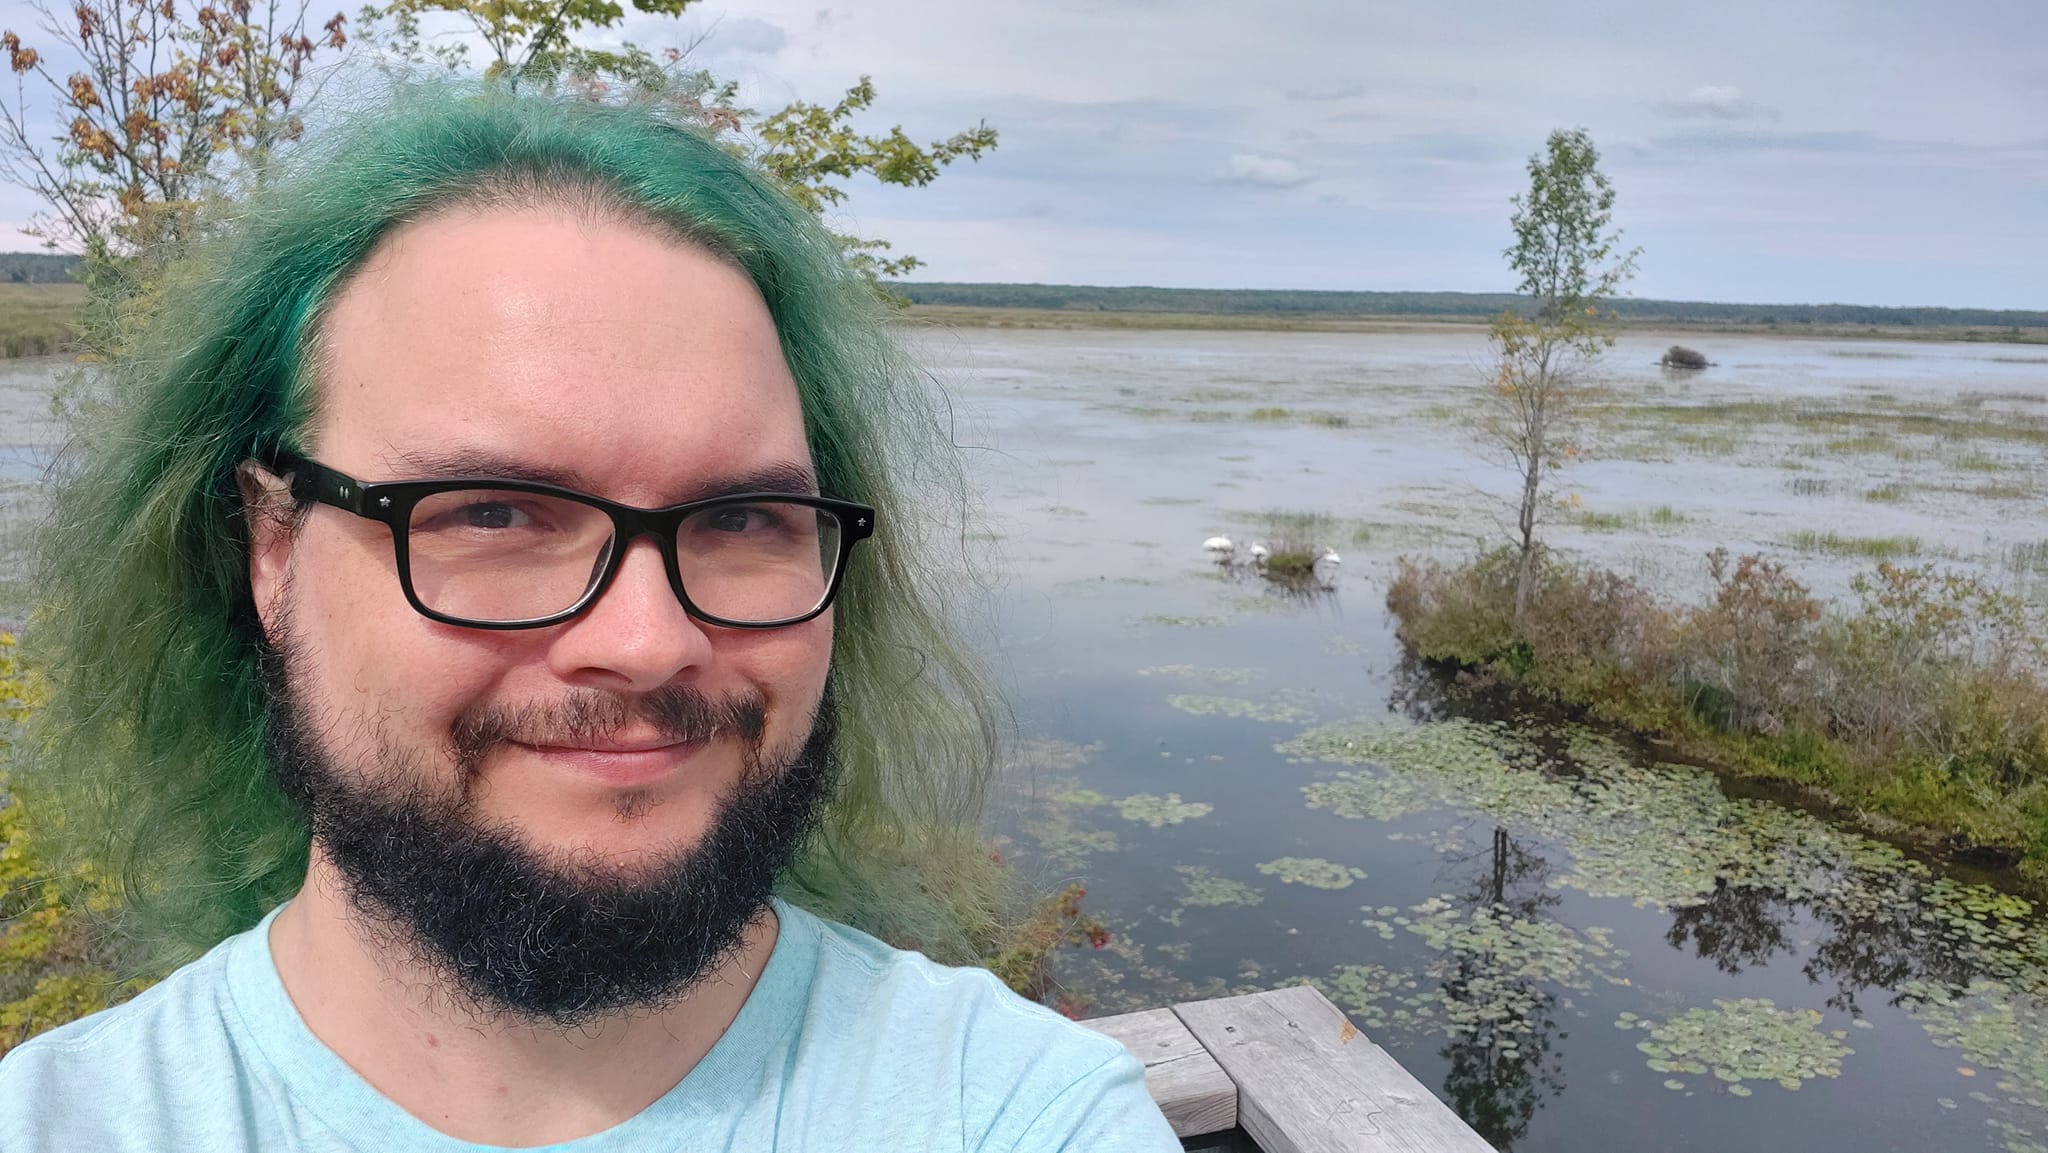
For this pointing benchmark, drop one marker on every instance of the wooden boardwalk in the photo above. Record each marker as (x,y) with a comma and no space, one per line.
(1289,1069)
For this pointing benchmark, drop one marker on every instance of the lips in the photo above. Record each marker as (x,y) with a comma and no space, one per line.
(619,764)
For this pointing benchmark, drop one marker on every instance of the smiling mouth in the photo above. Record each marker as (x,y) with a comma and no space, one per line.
(619,765)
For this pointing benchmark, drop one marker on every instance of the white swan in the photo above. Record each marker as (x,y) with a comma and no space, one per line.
(1221,544)
(1260,552)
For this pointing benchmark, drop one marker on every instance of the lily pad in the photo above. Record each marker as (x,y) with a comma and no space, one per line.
(1207,890)
(1158,812)
(1312,871)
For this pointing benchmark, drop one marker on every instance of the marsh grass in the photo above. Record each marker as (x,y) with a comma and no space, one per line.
(1602,521)
(2000,492)
(1663,516)
(1871,547)
(1868,444)
(2028,557)
(1810,486)
(40,319)
(1329,419)
(1271,414)
(1706,443)
(1886,494)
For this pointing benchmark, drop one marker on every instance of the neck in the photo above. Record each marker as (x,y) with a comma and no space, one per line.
(408,1033)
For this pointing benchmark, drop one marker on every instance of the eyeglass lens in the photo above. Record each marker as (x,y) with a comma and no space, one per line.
(500,556)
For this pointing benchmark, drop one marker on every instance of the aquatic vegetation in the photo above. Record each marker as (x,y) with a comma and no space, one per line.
(1368,992)
(1875,548)
(1081,798)
(1602,521)
(1159,812)
(1493,968)
(1238,707)
(1886,494)
(1044,754)
(1207,890)
(1314,872)
(1271,414)
(1994,1029)
(1219,676)
(1749,1039)
(1183,622)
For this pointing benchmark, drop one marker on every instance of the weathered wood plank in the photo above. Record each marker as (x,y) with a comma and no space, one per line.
(1191,1088)
(1309,1082)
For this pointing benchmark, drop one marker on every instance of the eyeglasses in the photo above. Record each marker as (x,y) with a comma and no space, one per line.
(505,554)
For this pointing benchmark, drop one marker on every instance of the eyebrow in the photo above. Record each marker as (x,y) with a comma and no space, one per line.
(788,477)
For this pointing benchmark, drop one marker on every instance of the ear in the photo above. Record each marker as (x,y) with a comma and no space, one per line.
(270,516)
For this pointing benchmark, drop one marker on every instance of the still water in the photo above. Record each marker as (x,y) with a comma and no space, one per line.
(1575,945)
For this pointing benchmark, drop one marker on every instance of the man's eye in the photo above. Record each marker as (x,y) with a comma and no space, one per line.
(494,514)
(738,519)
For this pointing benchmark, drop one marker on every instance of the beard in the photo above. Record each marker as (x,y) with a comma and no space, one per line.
(513,934)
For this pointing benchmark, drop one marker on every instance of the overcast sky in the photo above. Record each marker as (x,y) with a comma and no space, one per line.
(1863,151)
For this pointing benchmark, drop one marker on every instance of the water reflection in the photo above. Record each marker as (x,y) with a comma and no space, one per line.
(1734,926)
(1505,1065)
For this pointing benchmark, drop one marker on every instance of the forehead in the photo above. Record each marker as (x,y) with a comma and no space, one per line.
(582,348)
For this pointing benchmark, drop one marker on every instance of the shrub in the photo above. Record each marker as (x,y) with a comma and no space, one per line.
(1747,658)
(1927,700)
(1679,356)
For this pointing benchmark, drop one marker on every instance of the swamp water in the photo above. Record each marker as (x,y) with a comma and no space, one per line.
(1575,946)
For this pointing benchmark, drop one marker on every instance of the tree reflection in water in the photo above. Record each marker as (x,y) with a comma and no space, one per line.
(1735,926)
(1874,929)
(1505,1064)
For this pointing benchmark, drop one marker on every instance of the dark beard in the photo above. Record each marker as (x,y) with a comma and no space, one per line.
(516,935)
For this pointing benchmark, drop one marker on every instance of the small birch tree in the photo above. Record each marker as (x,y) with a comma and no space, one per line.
(1569,260)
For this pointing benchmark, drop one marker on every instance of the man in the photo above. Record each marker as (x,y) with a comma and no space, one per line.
(507,544)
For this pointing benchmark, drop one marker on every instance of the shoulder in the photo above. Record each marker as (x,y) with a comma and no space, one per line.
(100,1082)
(1025,1077)
(969,1006)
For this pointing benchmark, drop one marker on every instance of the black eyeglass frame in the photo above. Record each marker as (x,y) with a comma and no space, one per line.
(391,503)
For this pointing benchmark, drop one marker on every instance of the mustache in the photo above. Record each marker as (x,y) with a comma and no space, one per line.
(592,716)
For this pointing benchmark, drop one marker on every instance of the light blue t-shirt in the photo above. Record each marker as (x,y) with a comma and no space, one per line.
(844,1046)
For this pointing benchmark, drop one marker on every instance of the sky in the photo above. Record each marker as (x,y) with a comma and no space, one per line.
(1854,151)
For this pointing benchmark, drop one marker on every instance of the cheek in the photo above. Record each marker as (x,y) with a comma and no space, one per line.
(376,667)
(790,666)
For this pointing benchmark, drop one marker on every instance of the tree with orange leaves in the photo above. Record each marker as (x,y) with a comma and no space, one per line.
(162,96)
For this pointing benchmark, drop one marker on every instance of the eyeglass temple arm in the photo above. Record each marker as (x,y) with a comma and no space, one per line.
(315,482)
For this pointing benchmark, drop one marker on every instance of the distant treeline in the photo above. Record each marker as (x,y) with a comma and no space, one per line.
(36,268)
(1476,305)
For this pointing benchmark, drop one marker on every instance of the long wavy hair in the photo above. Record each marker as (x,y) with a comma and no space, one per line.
(147,765)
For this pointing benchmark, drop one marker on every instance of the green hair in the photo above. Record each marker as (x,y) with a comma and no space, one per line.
(148,766)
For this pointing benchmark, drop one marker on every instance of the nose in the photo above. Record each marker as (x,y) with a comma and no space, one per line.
(637,637)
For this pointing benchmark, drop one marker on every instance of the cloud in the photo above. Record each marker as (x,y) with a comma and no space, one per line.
(749,35)
(1717,102)
(1320,94)
(1271,171)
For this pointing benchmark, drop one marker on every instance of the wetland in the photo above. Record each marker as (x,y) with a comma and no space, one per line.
(1574,940)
